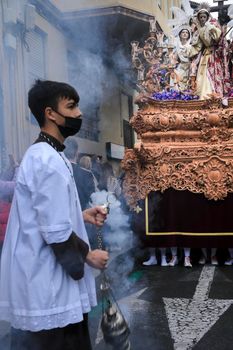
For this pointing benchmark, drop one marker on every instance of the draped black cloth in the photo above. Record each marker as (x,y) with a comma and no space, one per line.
(184,219)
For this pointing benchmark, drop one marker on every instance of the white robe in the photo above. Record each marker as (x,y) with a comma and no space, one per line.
(35,291)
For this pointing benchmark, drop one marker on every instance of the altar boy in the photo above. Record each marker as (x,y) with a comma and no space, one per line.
(46,282)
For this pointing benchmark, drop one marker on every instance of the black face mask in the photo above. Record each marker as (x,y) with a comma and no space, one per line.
(71,127)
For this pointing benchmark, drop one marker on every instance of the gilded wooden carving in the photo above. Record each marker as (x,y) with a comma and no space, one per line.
(184,145)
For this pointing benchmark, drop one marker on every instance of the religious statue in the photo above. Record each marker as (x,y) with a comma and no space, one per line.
(183,67)
(211,46)
(194,60)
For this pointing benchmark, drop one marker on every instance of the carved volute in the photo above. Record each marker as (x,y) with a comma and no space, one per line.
(186,145)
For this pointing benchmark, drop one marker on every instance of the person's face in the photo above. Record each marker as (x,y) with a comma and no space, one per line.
(203,17)
(69,108)
(66,110)
(184,34)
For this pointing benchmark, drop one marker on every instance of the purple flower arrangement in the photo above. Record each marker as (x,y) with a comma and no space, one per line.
(174,95)
(231,93)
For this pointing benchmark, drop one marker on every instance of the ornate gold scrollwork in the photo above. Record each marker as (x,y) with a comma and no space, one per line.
(186,146)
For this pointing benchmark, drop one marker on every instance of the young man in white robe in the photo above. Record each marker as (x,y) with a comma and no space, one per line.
(46,283)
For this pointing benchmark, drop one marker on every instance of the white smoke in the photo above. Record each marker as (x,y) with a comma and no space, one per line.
(119,236)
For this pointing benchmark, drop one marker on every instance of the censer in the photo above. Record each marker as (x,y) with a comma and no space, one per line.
(113,324)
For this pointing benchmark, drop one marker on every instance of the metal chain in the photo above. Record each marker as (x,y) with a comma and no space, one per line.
(99,238)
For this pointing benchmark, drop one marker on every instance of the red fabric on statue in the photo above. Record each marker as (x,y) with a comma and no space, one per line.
(4,214)
(218,65)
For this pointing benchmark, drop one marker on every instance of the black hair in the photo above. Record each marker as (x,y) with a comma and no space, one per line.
(71,147)
(46,93)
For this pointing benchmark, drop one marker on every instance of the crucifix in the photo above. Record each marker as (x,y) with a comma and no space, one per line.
(221,8)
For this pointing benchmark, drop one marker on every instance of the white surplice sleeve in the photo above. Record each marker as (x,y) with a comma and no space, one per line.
(49,184)
(52,204)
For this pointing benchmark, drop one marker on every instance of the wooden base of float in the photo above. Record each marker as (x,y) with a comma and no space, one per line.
(184,145)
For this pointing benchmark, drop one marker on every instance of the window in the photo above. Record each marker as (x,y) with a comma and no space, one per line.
(88,105)
(35,48)
(35,43)
(126,114)
(89,129)
(128,134)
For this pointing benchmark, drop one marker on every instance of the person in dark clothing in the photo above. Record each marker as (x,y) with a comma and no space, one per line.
(83,178)
(96,167)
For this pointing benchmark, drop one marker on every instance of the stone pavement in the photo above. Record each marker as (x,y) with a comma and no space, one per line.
(166,307)
(172,307)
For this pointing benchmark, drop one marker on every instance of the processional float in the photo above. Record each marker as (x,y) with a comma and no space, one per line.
(179,175)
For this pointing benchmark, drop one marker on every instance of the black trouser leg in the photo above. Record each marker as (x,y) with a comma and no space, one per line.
(52,339)
(72,337)
(77,336)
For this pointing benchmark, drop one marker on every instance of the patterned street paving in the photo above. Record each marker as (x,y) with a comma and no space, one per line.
(171,307)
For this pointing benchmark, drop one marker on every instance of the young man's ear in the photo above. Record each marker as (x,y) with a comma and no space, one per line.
(49,113)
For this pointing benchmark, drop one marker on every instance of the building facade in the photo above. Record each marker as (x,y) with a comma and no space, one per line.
(85,43)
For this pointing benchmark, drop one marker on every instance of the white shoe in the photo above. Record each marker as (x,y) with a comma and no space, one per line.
(228,262)
(164,262)
(187,262)
(151,261)
(214,261)
(173,261)
(202,261)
